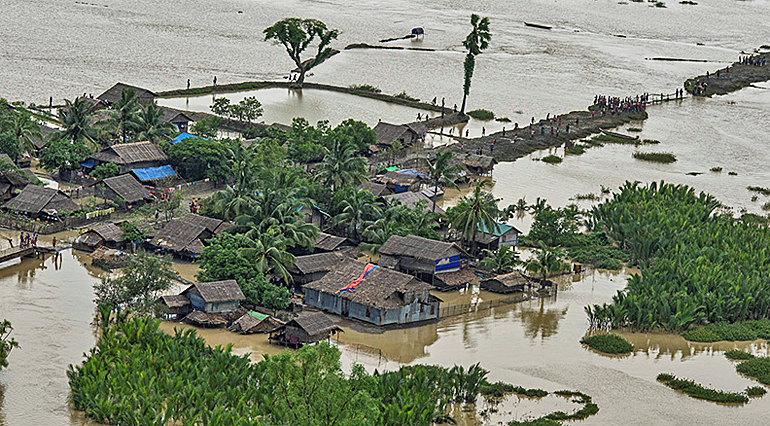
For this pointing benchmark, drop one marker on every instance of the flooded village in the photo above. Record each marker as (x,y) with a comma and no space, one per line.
(383,229)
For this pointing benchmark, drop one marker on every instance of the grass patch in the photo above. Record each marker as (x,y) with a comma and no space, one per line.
(755,391)
(738,355)
(608,344)
(761,190)
(634,129)
(732,173)
(699,392)
(503,119)
(660,4)
(551,159)
(576,150)
(757,368)
(366,88)
(656,157)
(536,422)
(404,96)
(736,332)
(688,2)
(499,389)
(650,141)
(716,169)
(589,196)
(482,114)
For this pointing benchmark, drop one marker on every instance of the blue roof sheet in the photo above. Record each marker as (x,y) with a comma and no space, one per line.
(411,172)
(88,163)
(152,173)
(182,136)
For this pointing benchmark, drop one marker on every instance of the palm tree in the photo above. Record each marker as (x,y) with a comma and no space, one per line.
(475,212)
(357,211)
(268,250)
(26,129)
(271,211)
(501,261)
(441,173)
(149,124)
(341,166)
(122,118)
(547,261)
(75,122)
(475,42)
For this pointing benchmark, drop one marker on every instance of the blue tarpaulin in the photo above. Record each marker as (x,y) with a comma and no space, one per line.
(152,173)
(182,136)
(411,172)
(88,163)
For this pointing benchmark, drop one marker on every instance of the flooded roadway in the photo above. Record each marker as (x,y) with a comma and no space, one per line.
(533,343)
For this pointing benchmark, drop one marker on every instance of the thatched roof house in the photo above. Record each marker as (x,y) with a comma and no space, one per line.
(412,199)
(398,181)
(186,236)
(421,256)
(124,189)
(504,235)
(328,242)
(176,304)
(479,164)
(380,295)
(204,319)
(129,156)
(114,93)
(506,283)
(455,280)
(215,297)
(109,258)
(46,133)
(314,266)
(13,181)
(177,118)
(388,133)
(108,234)
(35,200)
(254,322)
(306,328)
(378,189)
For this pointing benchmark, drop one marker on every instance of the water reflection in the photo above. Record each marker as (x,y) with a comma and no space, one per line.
(539,321)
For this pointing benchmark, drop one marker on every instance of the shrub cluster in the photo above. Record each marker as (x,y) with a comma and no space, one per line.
(655,157)
(697,391)
(738,355)
(756,368)
(482,114)
(608,343)
(551,159)
(739,331)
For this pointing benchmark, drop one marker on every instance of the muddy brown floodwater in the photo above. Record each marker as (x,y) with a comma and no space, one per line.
(533,344)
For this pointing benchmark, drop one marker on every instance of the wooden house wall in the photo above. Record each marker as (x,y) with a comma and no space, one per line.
(299,333)
(222,307)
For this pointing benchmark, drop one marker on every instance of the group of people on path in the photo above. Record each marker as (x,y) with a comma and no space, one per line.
(27,239)
(617,105)
(757,61)
(194,206)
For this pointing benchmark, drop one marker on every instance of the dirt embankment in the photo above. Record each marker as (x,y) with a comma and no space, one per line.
(732,78)
(580,124)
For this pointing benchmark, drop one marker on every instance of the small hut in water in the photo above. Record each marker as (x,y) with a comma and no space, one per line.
(108,258)
(109,235)
(215,297)
(481,165)
(177,305)
(254,322)
(305,329)
(507,283)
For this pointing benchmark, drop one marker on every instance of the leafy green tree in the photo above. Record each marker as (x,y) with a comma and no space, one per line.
(501,261)
(356,211)
(357,133)
(139,285)
(63,153)
(7,343)
(207,128)
(441,172)
(554,227)
(296,35)
(196,159)
(310,389)
(250,109)
(547,261)
(132,232)
(475,211)
(26,129)
(9,144)
(221,107)
(475,43)
(341,166)
(121,118)
(75,119)
(105,170)
(149,124)
(304,141)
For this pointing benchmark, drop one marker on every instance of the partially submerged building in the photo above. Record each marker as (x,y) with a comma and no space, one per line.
(480,165)
(373,294)
(506,283)
(504,235)
(255,322)
(414,199)
(108,235)
(421,257)
(128,156)
(124,189)
(405,134)
(215,297)
(397,181)
(38,202)
(305,329)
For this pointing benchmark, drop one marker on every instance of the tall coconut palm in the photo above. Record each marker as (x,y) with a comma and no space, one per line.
(475,43)
(341,166)
(547,261)
(121,119)
(501,261)
(272,211)
(149,125)
(268,250)
(75,119)
(475,212)
(26,129)
(357,211)
(441,172)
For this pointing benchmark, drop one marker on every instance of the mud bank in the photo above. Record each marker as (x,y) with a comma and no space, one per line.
(735,77)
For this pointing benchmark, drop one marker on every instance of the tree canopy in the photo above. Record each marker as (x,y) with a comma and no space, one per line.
(197,158)
(296,35)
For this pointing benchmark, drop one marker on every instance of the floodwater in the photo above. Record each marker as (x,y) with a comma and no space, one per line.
(63,49)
